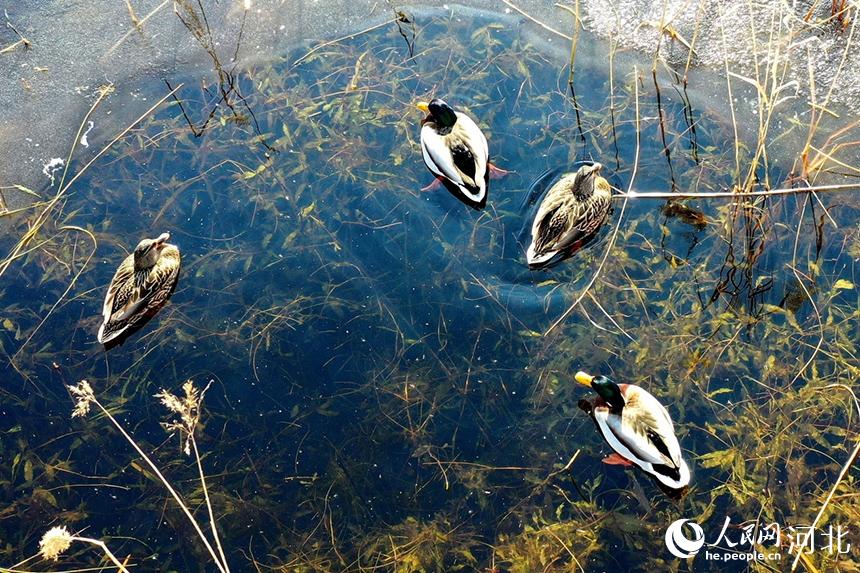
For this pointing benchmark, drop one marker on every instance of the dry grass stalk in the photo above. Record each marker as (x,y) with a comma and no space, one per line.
(614,236)
(134,19)
(85,398)
(188,410)
(138,26)
(21,42)
(845,467)
(42,217)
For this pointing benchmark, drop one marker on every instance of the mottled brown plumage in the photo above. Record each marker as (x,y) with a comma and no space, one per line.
(140,287)
(570,215)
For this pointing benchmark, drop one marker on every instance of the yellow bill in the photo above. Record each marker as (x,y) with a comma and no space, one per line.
(583,378)
(423,106)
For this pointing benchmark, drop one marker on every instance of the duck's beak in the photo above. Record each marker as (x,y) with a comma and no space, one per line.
(423,106)
(162,240)
(583,378)
(595,169)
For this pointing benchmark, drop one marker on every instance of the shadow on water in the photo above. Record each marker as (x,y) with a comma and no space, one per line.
(383,398)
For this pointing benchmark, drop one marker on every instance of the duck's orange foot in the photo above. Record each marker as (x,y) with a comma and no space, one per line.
(497,172)
(616,460)
(433,186)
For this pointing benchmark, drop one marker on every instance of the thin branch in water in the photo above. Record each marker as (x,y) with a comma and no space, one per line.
(401,18)
(571,67)
(69,287)
(43,215)
(631,194)
(845,467)
(22,40)
(57,541)
(138,26)
(342,38)
(536,21)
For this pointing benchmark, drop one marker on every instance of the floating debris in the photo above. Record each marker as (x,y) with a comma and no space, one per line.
(84,140)
(51,167)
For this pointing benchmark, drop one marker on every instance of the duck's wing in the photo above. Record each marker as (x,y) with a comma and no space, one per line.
(474,153)
(577,224)
(646,439)
(119,287)
(606,423)
(163,278)
(437,154)
(593,213)
(552,227)
(645,425)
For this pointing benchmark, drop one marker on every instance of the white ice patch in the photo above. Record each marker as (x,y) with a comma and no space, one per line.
(84,141)
(51,167)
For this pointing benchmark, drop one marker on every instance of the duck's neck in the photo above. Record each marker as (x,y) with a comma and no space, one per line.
(582,188)
(147,261)
(612,394)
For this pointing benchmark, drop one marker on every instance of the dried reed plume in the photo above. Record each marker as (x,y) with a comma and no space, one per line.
(189,410)
(57,541)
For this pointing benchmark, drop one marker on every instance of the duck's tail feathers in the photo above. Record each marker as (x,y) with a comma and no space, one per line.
(109,332)
(473,196)
(671,477)
(539,261)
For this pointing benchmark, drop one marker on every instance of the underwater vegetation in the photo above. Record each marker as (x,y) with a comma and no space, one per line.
(392,389)
(639,430)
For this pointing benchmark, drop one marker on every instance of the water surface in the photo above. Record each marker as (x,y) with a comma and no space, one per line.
(384,396)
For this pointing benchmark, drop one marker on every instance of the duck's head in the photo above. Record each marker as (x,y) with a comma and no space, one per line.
(605,388)
(438,112)
(148,250)
(587,177)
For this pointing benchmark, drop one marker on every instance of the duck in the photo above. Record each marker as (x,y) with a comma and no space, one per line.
(455,150)
(638,429)
(141,286)
(569,216)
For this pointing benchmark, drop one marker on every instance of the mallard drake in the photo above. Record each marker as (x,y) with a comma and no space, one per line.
(456,152)
(140,287)
(638,428)
(569,216)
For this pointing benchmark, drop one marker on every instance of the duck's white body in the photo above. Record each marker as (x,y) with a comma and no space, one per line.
(638,429)
(636,432)
(458,155)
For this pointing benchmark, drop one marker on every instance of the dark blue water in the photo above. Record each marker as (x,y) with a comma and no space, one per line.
(382,394)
